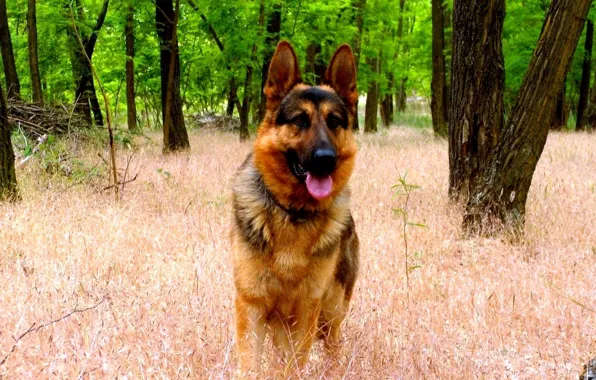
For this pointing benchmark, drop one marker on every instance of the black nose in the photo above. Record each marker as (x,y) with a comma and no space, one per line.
(323,162)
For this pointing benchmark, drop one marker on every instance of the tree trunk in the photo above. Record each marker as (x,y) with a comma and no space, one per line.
(8,180)
(85,94)
(245,110)
(585,82)
(438,103)
(33,57)
(271,40)
(478,80)
(400,102)
(174,128)
(314,71)
(560,115)
(502,190)
(359,19)
(10,68)
(372,99)
(232,97)
(131,105)
(386,107)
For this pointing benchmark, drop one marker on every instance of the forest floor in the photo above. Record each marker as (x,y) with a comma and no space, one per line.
(148,279)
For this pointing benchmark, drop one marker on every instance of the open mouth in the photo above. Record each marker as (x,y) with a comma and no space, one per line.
(319,187)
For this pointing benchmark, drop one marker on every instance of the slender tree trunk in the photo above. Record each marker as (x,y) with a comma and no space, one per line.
(232,97)
(10,68)
(502,190)
(560,114)
(584,91)
(245,110)
(359,6)
(85,94)
(33,57)
(314,71)
(438,103)
(131,105)
(478,80)
(271,39)
(8,179)
(401,95)
(174,128)
(372,99)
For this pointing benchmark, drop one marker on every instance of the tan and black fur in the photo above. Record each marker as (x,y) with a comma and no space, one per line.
(295,257)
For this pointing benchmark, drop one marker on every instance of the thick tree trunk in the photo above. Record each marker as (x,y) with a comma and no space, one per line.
(174,128)
(502,190)
(478,80)
(401,96)
(131,105)
(8,179)
(386,106)
(232,97)
(95,107)
(10,68)
(560,114)
(372,100)
(438,103)
(271,40)
(584,91)
(357,45)
(33,57)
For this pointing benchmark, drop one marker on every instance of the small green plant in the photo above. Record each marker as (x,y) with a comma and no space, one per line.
(403,190)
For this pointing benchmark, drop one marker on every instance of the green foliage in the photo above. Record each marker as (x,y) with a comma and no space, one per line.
(206,70)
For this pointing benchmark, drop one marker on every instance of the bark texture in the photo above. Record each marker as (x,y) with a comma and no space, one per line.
(372,100)
(131,105)
(359,6)
(8,179)
(33,56)
(560,112)
(174,127)
(438,103)
(10,68)
(584,91)
(271,40)
(478,80)
(502,190)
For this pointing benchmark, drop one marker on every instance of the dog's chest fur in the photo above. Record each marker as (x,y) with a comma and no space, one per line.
(278,252)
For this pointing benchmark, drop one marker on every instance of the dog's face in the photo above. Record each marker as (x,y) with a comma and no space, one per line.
(305,148)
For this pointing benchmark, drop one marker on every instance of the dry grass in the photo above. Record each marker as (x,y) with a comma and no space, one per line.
(160,259)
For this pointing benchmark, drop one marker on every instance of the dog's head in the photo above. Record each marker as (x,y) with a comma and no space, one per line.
(305,148)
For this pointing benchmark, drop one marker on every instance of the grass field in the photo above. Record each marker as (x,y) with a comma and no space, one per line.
(154,270)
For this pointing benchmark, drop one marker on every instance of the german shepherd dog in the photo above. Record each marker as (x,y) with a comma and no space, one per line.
(294,245)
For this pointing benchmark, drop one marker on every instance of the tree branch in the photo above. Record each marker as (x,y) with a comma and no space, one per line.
(101,18)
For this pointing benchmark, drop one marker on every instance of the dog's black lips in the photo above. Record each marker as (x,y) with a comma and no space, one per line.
(295,167)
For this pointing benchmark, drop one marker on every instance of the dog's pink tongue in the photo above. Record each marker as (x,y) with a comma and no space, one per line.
(319,187)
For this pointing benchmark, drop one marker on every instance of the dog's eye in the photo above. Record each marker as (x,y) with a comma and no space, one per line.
(301,121)
(333,121)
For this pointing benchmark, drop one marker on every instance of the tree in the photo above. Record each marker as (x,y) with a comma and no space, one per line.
(174,128)
(359,6)
(560,113)
(82,48)
(585,81)
(271,39)
(401,95)
(8,179)
(33,57)
(477,82)
(438,102)
(372,98)
(130,70)
(501,191)
(10,67)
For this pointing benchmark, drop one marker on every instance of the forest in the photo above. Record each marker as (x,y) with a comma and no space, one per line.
(122,123)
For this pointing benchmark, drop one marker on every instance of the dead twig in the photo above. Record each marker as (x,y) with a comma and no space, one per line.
(35,328)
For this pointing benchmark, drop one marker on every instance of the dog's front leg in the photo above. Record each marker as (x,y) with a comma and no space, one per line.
(305,328)
(250,336)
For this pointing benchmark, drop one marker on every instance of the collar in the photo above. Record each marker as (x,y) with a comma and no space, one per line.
(296,215)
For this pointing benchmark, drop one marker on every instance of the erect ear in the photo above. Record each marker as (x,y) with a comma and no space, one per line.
(284,72)
(341,75)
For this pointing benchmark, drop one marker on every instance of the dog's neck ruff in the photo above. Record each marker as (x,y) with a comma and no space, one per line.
(296,215)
